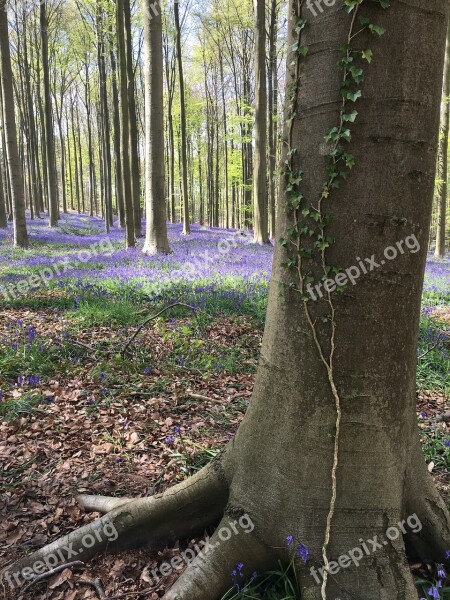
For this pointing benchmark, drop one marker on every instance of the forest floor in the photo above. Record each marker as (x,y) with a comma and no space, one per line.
(81,412)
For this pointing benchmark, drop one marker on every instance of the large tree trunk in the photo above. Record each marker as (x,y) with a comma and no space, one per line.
(155,202)
(260,203)
(442,174)
(328,451)
(12,152)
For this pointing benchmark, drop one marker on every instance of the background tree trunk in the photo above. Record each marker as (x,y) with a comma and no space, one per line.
(184,165)
(12,152)
(260,200)
(48,122)
(155,201)
(125,129)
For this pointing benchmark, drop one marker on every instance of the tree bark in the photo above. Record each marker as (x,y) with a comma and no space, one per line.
(260,204)
(130,241)
(134,153)
(12,152)
(156,229)
(48,122)
(184,166)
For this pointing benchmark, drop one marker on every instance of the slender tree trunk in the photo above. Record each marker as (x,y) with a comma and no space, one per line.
(3,216)
(80,163)
(272,106)
(156,229)
(12,152)
(48,122)
(133,143)
(260,221)
(125,129)
(439,251)
(104,120)
(184,166)
(117,138)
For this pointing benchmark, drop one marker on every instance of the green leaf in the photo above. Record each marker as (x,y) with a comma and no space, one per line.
(367,55)
(350,117)
(377,29)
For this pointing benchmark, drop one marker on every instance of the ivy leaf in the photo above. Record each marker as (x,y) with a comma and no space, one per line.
(385,3)
(367,55)
(377,29)
(350,117)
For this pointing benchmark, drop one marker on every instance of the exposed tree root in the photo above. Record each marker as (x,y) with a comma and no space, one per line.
(209,576)
(182,511)
(423,499)
(101,504)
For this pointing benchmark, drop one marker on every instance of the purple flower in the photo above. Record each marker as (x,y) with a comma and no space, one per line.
(177,429)
(423,415)
(170,440)
(302,552)
(441,572)
(147,371)
(433,592)
(447,443)
(289,540)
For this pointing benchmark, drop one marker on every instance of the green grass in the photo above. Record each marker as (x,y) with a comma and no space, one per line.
(433,365)
(23,405)
(278,584)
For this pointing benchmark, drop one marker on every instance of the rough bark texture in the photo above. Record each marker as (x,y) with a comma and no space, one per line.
(156,228)
(278,468)
(12,153)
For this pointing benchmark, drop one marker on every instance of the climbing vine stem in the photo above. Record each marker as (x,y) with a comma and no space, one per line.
(306,240)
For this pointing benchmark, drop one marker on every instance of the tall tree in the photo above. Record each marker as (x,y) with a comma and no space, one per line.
(260,204)
(155,202)
(183,142)
(442,174)
(130,241)
(12,152)
(48,120)
(134,152)
(3,216)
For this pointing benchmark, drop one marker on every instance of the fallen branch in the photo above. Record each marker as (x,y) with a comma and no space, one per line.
(139,329)
(55,571)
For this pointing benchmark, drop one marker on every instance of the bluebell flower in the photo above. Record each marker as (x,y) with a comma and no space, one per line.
(302,552)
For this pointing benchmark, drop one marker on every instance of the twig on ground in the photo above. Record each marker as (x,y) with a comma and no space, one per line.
(47,574)
(433,347)
(95,583)
(139,329)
